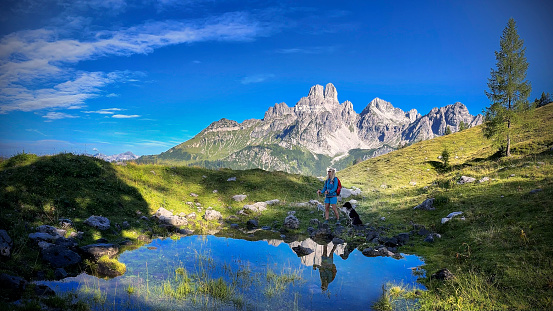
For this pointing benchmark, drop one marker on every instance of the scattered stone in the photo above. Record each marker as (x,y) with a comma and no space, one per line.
(383,218)
(41,236)
(535,191)
(98,222)
(429,239)
(257,207)
(191,216)
(266,228)
(215,191)
(51,230)
(291,222)
(11,286)
(484,179)
(192,194)
(232,179)
(273,202)
(186,231)
(125,225)
(378,251)
(239,197)
(98,250)
(383,186)
(424,232)
(60,256)
(450,216)
(466,179)
(252,224)
(427,205)
(5,244)
(442,274)
(512,175)
(65,223)
(60,273)
(234,226)
(412,183)
(44,291)
(212,215)
(302,251)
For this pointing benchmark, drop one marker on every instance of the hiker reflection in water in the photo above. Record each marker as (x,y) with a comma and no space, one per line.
(329,190)
(327,269)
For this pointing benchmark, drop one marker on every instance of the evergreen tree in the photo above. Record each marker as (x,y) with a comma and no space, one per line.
(508,89)
(463,126)
(447,130)
(543,100)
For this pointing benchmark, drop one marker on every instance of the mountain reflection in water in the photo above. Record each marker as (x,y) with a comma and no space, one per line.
(329,277)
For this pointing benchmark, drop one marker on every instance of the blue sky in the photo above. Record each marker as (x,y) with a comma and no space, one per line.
(112,76)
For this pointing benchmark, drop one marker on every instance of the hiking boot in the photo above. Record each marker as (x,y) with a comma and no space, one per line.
(338,222)
(325,222)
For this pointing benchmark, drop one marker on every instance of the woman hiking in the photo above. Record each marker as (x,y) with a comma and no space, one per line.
(329,190)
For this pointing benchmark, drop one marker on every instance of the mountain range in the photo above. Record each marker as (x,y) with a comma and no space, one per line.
(316,133)
(126,156)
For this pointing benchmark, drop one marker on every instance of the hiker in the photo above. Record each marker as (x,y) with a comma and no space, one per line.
(329,190)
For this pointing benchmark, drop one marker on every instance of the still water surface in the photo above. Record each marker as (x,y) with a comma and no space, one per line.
(329,278)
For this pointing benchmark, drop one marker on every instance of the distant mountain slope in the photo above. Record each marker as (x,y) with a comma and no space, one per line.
(126,156)
(317,132)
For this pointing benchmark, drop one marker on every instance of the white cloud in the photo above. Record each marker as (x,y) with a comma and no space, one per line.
(30,58)
(125,116)
(256,78)
(105,111)
(58,115)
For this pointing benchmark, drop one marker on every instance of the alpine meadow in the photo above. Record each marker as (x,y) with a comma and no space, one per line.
(440,209)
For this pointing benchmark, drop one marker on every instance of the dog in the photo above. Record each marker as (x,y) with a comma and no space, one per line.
(352,214)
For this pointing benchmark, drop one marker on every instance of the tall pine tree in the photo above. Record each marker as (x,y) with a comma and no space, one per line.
(508,89)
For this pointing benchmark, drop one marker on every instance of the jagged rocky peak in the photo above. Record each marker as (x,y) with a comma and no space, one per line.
(330,92)
(277,110)
(383,110)
(221,124)
(319,99)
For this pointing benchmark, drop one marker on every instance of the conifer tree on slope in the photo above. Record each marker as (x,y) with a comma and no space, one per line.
(508,89)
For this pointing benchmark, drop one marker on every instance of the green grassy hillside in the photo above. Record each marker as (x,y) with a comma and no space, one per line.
(501,253)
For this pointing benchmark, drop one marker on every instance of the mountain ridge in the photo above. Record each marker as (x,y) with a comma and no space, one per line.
(317,128)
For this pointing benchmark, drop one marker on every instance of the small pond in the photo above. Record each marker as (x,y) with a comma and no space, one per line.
(216,273)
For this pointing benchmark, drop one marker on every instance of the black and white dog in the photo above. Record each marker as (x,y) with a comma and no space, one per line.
(353,216)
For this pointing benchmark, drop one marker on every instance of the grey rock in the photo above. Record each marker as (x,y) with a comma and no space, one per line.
(273,202)
(302,251)
(239,197)
(212,215)
(232,179)
(465,180)
(426,205)
(162,212)
(255,208)
(534,191)
(484,179)
(12,286)
(51,230)
(60,273)
(252,223)
(378,251)
(98,250)
(5,244)
(443,274)
(234,226)
(98,222)
(41,236)
(59,256)
(193,195)
(44,291)
(291,222)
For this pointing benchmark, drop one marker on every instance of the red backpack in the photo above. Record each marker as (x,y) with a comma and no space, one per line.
(339,189)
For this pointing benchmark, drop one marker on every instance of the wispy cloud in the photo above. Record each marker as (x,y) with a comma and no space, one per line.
(125,116)
(28,59)
(105,111)
(308,50)
(256,78)
(58,115)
